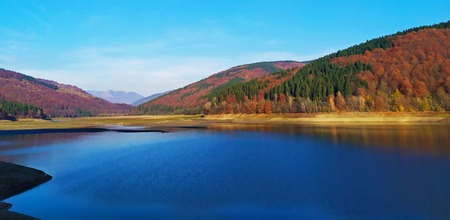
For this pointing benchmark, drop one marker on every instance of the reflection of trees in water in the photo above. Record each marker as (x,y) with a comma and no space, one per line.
(431,139)
(24,141)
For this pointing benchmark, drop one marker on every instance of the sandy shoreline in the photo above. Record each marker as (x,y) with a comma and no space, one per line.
(163,123)
(336,118)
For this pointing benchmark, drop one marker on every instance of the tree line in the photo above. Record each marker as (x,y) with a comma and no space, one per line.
(12,110)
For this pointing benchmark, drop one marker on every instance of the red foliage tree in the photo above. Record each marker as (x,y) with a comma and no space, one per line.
(268,107)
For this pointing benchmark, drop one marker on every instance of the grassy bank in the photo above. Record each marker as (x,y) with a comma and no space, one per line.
(197,120)
(94,122)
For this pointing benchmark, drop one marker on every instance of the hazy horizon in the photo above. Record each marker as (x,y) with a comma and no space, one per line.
(148,47)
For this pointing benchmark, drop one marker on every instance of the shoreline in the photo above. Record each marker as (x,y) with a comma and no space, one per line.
(169,123)
(76,130)
(347,118)
(15,179)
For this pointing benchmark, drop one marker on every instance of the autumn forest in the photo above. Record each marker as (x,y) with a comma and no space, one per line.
(408,71)
(405,72)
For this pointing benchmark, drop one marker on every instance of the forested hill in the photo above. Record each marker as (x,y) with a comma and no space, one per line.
(406,71)
(54,99)
(192,98)
(12,110)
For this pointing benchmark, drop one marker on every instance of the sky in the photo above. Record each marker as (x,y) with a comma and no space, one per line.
(148,46)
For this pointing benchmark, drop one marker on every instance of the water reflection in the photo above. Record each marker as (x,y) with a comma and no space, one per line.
(282,171)
(33,145)
(24,140)
(430,139)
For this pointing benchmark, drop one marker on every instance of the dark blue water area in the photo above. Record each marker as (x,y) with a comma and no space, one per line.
(226,174)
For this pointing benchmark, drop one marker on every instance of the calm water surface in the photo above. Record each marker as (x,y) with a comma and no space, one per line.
(251,172)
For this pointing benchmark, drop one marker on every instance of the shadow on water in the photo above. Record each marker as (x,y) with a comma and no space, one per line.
(22,141)
(34,145)
(30,141)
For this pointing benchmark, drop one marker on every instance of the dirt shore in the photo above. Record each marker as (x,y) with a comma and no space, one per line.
(15,179)
(334,118)
(164,122)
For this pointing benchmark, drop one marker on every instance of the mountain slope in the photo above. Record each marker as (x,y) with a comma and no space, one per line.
(57,100)
(148,98)
(406,71)
(191,98)
(416,68)
(11,110)
(116,96)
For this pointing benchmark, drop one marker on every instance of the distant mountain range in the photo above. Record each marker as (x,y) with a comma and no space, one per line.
(406,71)
(117,96)
(21,92)
(148,98)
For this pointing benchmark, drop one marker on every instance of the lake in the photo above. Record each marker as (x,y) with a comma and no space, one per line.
(239,172)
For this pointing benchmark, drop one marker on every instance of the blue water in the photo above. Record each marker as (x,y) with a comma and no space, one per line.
(285,172)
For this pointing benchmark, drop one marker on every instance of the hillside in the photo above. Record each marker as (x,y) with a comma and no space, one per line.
(56,100)
(192,98)
(406,71)
(11,110)
(116,96)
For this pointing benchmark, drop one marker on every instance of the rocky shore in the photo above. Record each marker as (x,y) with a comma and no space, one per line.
(15,179)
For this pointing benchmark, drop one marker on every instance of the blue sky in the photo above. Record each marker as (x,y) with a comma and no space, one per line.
(153,46)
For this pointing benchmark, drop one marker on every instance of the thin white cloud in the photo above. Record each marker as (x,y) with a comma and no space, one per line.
(91,69)
(6,58)
(10,32)
(101,69)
